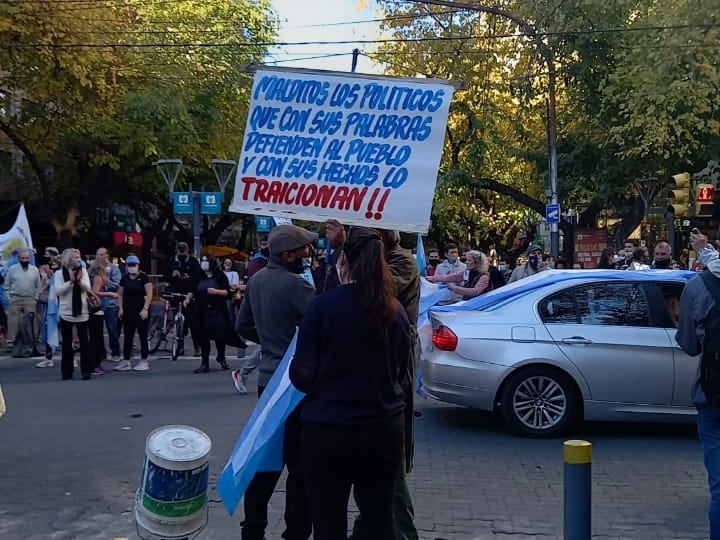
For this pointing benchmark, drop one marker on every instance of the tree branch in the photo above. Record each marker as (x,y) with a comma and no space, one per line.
(32,159)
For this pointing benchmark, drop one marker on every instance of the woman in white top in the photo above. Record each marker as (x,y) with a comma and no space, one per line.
(72,285)
(232,275)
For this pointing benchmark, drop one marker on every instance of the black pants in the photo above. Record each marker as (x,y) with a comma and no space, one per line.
(97,339)
(212,326)
(336,457)
(66,363)
(131,323)
(298,524)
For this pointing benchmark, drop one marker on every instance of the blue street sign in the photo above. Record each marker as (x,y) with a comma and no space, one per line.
(263,224)
(552,213)
(211,202)
(182,203)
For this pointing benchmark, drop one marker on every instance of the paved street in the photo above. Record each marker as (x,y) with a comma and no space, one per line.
(71,455)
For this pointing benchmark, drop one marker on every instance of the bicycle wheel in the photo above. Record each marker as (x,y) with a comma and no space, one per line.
(156,336)
(177,337)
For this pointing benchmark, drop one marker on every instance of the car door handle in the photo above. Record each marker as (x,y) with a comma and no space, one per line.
(576,340)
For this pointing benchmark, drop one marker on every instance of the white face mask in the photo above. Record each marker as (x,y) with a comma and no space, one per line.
(205,266)
(502,267)
(132,270)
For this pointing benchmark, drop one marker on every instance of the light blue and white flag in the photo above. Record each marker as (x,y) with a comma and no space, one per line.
(52,318)
(260,445)
(420,256)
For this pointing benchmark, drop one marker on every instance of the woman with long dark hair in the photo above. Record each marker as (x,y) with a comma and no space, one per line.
(351,361)
(211,292)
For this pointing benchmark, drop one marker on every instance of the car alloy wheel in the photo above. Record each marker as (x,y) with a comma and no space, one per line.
(539,402)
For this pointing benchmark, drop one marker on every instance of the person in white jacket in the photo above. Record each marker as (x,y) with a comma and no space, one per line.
(72,285)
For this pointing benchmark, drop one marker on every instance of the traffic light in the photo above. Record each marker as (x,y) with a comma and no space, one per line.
(704,200)
(679,196)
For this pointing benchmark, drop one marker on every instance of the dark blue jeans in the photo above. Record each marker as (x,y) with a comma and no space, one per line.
(113,329)
(709,431)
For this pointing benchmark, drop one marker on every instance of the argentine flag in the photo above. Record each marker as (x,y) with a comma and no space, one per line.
(420,256)
(52,318)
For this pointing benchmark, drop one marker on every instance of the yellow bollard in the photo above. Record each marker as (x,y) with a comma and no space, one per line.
(577,489)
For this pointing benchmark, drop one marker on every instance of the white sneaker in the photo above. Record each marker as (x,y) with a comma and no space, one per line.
(45,363)
(114,359)
(239,381)
(124,365)
(142,365)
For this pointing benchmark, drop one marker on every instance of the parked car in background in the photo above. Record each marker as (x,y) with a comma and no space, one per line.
(563,346)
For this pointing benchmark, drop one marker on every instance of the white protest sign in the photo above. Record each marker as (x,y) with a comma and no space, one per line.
(362,150)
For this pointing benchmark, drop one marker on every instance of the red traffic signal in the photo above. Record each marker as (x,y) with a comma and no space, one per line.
(705,193)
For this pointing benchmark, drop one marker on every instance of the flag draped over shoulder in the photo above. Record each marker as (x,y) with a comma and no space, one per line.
(259,447)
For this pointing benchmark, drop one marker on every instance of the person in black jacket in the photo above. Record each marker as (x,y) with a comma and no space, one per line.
(212,290)
(351,361)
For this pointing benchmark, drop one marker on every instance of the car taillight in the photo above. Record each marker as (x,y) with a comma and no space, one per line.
(444,339)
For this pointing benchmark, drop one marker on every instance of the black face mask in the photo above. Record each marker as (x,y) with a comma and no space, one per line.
(265,252)
(182,257)
(434,262)
(296,266)
(24,264)
(533,260)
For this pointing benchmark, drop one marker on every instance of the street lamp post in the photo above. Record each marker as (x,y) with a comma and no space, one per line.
(549,59)
(223,169)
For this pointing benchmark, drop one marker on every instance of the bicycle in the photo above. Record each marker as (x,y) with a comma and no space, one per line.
(168,327)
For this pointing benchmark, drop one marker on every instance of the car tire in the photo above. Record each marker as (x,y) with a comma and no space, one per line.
(540,402)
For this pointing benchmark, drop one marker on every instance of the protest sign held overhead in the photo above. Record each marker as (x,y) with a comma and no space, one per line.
(362,149)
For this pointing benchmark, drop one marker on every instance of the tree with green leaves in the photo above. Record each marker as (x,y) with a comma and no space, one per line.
(94,92)
(607,83)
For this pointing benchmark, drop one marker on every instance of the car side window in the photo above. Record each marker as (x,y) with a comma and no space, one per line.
(613,304)
(559,308)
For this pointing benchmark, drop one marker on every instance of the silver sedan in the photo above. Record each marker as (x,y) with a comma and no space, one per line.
(563,346)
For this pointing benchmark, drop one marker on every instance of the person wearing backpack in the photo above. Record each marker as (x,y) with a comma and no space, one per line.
(699,334)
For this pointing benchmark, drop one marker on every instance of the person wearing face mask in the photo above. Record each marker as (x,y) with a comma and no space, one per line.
(276,299)
(134,297)
(452,263)
(22,286)
(212,291)
(533,265)
(433,261)
(182,273)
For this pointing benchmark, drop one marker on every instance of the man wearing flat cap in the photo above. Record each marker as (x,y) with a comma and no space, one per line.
(533,265)
(276,299)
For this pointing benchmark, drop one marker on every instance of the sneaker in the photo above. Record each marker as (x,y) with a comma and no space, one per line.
(239,381)
(45,363)
(123,365)
(98,371)
(114,359)
(142,365)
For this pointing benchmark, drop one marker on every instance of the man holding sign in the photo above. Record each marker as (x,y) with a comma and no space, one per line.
(276,298)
